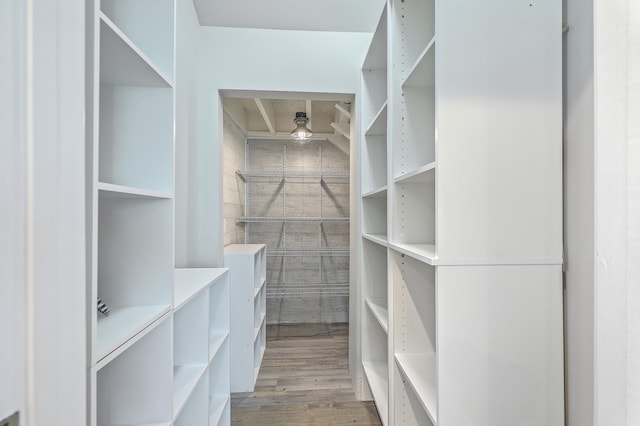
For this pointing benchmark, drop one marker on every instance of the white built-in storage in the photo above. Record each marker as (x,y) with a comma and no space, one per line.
(248,266)
(161,355)
(201,347)
(462,217)
(375,317)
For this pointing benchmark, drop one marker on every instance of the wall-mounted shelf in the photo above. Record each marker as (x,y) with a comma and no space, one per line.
(295,289)
(328,251)
(295,176)
(283,219)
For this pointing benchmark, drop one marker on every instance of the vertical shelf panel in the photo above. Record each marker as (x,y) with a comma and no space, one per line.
(246,271)
(504,337)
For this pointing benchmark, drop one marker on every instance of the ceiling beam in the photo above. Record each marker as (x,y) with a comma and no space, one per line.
(237,114)
(268,115)
(285,135)
(341,142)
(344,112)
(342,128)
(309,116)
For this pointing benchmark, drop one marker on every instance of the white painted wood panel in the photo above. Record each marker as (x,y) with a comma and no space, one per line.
(498,76)
(499,345)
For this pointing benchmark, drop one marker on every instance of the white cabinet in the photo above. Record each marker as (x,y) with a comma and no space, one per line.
(248,268)
(461,214)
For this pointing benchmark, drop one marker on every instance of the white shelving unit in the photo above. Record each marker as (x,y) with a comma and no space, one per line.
(201,338)
(149,358)
(374,198)
(248,266)
(462,214)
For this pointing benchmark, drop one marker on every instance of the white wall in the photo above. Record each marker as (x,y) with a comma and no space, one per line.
(617,212)
(42,224)
(253,59)
(579,211)
(233,159)
(12,211)
(186,102)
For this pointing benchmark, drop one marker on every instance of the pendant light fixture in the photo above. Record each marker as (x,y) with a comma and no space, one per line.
(301,134)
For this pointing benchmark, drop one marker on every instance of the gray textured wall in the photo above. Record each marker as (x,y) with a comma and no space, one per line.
(233,187)
(309,288)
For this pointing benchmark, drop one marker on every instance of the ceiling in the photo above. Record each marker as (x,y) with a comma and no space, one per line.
(303,15)
(270,115)
(272,118)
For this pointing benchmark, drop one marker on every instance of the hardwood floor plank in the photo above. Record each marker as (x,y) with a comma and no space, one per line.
(304,380)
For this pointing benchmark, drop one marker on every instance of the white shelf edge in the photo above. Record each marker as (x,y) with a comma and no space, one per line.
(256,330)
(418,175)
(217,405)
(382,110)
(131,191)
(217,339)
(113,27)
(257,290)
(185,379)
(189,282)
(380,312)
(246,249)
(377,192)
(416,64)
(380,239)
(256,369)
(498,261)
(343,110)
(282,219)
(414,367)
(425,253)
(377,373)
(132,323)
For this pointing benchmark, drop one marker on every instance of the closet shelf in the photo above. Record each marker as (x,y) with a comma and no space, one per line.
(378,126)
(185,378)
(282,219)
(420,371)
(377,306)
(125,325)
(326,251)
(376,238)
(377,373)
(422,73)
(217,405)
(216,341)
(423,252)
(311,177)
(376,193)
(424,174)
(188,282)
(123,63)
(121,191)
(297,289)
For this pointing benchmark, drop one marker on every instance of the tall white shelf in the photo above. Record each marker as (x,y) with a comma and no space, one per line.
(462,214)
(248,266)
(151,359)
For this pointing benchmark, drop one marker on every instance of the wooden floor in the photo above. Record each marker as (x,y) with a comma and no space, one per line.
(303,380)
